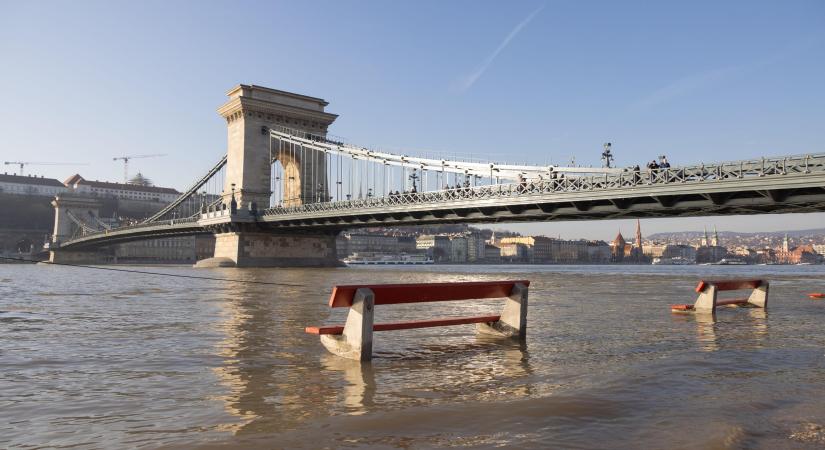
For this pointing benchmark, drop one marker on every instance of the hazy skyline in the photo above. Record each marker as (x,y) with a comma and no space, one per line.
(530,81)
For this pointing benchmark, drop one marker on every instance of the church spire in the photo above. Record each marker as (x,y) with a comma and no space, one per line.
(715,241)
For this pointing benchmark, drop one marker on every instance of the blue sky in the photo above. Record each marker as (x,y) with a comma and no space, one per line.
(534,81)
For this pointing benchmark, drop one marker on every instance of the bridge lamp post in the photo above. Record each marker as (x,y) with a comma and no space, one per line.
(443,180)
(385,181)
(607,156)
(413,177)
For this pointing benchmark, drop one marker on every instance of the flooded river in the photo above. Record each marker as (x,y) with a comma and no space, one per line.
(109,360)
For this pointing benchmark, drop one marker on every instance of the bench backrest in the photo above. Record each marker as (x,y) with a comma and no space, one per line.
(391,294)
(729,285)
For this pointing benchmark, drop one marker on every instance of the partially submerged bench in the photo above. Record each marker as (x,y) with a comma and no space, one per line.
(353,340)
(708,290)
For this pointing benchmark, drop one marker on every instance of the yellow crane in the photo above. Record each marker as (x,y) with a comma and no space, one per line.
(126,159)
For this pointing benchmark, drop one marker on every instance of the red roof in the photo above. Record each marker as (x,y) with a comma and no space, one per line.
(39,181)
(73,179)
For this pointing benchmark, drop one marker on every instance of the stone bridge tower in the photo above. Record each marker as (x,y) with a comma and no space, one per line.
(81,208)
(249,113)
(84,209)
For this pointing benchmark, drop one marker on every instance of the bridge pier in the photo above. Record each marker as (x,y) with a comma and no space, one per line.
(263,249)
(80,257)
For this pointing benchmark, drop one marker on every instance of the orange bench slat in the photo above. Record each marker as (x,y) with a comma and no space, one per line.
(339,329)
(391,294)
(728,285)
(681,307)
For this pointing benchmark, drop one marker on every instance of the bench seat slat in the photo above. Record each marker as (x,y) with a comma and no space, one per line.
(409,325)
(728,285)
(391,294)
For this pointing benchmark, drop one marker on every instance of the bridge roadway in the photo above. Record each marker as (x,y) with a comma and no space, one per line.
(777,185)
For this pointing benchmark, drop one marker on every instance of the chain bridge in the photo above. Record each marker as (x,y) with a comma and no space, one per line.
(286,188)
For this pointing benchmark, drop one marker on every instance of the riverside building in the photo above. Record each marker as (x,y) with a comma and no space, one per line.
(30,185)
(139,189)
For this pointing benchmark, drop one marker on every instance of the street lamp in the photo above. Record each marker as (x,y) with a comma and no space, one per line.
(414,177)
(607,156)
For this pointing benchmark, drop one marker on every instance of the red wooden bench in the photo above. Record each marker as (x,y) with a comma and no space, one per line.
(708,300)
(354,339)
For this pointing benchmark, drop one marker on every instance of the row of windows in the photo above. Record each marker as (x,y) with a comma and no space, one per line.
(48,190)
(132,194)
(26,189)
(166,243)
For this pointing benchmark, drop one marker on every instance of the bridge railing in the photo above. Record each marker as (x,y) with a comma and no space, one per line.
(137,226)
(702,173)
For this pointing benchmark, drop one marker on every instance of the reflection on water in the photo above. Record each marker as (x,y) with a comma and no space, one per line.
(749,327)
(102,361)
(359,393)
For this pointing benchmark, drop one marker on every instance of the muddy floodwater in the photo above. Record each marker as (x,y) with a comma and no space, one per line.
(99,359)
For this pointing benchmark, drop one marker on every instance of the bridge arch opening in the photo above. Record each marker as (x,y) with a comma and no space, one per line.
(298,176)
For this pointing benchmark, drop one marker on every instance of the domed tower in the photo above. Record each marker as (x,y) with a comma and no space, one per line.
(140,180)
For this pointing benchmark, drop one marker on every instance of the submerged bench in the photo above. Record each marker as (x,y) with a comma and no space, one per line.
(354,339)
(708,290)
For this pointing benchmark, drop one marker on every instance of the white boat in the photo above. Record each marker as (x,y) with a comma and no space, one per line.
(676,261)
(730,262)
(388,260)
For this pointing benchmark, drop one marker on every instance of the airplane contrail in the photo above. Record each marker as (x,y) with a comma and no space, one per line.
(468,82)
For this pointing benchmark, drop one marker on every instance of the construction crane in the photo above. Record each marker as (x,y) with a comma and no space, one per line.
(126,159)
(23,164)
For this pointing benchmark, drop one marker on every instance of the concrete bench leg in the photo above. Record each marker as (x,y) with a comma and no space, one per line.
(513,322)
(356,340)
(759,296)
(706,303)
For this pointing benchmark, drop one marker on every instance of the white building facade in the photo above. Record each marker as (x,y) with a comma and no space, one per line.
(30,185)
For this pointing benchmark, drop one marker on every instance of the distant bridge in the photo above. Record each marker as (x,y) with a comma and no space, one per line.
(282,193)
